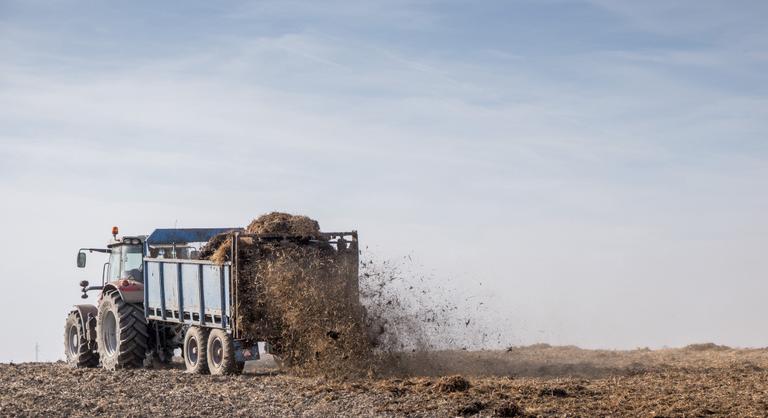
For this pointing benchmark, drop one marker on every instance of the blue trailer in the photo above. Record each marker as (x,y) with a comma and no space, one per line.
(157,295)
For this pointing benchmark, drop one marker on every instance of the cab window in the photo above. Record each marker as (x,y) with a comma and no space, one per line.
(132,259)
(114,263)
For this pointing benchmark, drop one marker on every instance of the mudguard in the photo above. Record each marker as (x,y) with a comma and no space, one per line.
(131,291)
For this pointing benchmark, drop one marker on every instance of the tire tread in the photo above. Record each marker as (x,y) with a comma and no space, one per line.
(85,357)
(132,334)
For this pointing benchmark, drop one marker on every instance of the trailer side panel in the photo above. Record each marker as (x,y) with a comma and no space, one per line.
(192,292)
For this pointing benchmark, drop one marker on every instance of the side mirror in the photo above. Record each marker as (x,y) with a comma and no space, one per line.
(81,260)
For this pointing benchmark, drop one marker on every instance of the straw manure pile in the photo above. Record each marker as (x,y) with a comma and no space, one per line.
(278,223)
(298,295)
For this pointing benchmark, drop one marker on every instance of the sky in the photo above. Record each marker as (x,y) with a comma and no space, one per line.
(593,171)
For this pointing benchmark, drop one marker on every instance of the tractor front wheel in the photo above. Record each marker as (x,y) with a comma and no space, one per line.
(121,333)
(77,349)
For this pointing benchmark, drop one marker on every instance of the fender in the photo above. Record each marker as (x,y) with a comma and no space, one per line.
(88,320)
(130,291)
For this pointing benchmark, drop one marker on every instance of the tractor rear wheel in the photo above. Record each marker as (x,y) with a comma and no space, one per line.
(121,333)
(195,350)
(77,350)
(221,354)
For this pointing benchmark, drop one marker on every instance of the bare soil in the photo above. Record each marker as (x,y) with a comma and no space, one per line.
(700,380)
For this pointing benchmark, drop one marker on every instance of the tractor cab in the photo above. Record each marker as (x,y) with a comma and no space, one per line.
(124,269)
(126,259)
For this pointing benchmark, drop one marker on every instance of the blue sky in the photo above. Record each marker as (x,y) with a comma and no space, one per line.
(599,166)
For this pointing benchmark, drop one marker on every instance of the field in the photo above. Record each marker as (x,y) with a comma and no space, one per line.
(699,380)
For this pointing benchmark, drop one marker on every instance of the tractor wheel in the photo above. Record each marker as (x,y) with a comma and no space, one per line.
(121,333)
(76,348)
(221,354)
(195,350)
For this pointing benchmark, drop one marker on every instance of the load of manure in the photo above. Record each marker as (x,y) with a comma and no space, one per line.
(299,294)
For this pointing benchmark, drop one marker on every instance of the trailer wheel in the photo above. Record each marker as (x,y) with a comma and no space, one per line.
(221,354)
(76,348)
(195,350)
(121,333)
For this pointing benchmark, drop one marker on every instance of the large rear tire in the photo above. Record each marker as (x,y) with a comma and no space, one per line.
(195,350)
(121,333)
(77,350)
(221,354)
